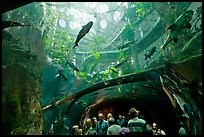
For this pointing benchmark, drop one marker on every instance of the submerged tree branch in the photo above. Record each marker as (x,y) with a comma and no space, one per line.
(130,78)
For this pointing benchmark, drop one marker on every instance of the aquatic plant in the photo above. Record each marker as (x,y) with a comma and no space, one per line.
(82,74)
(59,48)
(95,54)
(123,55)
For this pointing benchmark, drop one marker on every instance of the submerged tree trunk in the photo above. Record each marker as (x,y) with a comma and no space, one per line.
(21,109)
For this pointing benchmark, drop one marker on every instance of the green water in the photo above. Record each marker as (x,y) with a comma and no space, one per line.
(136,54)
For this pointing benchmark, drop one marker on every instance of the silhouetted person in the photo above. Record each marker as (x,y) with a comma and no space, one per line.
(102,125)
(109,116)
(89,130)
(94,123)
(137,125)
(121,121)
(156,130)
(182,130)
(113,128)
(75,130)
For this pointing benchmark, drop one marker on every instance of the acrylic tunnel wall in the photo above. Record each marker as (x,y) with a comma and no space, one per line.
(65,62)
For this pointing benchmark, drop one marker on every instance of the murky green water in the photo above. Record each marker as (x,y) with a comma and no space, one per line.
(63,62)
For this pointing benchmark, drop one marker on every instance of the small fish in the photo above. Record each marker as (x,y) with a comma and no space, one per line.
(186,16)
(7,24)
(95,93)
(183,21)
(151,52)
(80,102)
(149,86)
(113,70)
(120,64)
(61,75)
(85,29)
(72,66)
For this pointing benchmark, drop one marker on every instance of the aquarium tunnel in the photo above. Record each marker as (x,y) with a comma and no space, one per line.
(66,62)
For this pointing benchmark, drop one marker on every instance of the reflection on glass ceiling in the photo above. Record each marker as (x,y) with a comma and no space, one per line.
(106,16)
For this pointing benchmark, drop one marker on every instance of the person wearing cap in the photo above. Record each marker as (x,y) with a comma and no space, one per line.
(137,125)
(113,128)
(102,125)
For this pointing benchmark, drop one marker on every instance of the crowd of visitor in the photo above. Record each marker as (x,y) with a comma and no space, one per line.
(110,126)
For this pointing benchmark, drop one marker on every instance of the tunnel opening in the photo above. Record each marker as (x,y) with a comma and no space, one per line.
(149,110)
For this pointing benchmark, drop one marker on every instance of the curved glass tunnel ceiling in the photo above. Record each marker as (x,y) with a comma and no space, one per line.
(130,57)
(105,23)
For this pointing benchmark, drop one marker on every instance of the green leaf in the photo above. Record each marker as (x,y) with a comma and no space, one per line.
(82,74)
(91,67)
(95,54)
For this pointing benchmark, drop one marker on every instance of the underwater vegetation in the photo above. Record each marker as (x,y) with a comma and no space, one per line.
(62,61)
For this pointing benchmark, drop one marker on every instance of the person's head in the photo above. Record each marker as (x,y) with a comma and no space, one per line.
(154,126)
(133,113)
(120,116)
(109,116)
(111,121)
(94,120)
(88,122)
(75,129)
(100,116)
(80,131)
